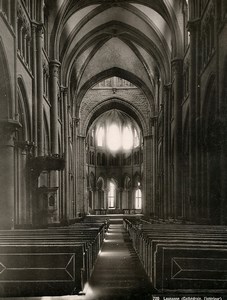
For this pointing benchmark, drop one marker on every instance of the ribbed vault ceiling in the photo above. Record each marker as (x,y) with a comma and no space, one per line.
(92,37)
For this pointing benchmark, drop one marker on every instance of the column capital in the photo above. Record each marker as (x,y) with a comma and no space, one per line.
(54,67)
(167,87)
(153,120)
(76,121)
(55,62)
(157,76)
(192,25)
(26,146)
(64,90)
(148,137)
(177,64)
(34,26)
(39,27)
(82,137)
(166,91)
(7,131)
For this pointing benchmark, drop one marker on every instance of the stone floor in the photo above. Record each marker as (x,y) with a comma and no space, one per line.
(118,273)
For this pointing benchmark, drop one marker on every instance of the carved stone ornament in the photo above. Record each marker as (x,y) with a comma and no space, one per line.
(7,132)
(76,121)
(26,146)
(54,68)
(177,65)
(39,30)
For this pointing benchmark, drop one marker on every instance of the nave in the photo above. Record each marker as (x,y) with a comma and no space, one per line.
(114,257)
(112,107)
(118,272)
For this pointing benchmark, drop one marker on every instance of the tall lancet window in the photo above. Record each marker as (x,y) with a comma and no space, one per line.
(114,137)
(116,132)
(127,138)
(138,198)
(136,138)
(112,195)
(100,136)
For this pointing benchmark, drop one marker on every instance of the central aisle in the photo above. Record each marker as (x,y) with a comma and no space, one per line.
(118,273)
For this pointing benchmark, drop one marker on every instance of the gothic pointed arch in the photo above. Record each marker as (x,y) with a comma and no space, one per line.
(127,181)
(23,152)
(137,179)
(165,9)
(115,71)
(121,105)
(24,110)
(6,93)
(92,180)
(46,135)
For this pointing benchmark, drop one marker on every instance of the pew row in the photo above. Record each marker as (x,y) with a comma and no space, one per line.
(182,258)
(48,262)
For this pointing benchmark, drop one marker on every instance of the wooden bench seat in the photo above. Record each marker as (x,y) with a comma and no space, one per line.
(48,261)
(91,243)
(182,257)
(37,269)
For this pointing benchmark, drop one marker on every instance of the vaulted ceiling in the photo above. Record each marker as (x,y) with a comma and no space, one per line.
(94,39)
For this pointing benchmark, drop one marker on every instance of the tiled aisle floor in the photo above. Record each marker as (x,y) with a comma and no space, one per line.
(118,273)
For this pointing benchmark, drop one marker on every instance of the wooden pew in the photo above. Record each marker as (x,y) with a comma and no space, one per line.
(182,258)
(38,269)
(48,261)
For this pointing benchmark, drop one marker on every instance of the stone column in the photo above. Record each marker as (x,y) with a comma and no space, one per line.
(29,51)
(22,197)
(54,77)
(25,45)
(177,101)
(66,153)
(148,205)
(20,44)
(223,168)
(7,176)
(153,155)
(81,206)
(106,198)
(34,86)
(155,147)
(119,198)
(23,179)
(39,76)
(13,13)
(53,93)
(123,199)
(9,11)
(166,143)
(192,27)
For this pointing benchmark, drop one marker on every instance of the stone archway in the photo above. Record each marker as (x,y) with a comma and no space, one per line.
(8,127)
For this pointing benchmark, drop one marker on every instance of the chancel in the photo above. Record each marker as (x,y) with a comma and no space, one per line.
(113,148)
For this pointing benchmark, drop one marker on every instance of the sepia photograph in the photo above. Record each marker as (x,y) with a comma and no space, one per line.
(113,149)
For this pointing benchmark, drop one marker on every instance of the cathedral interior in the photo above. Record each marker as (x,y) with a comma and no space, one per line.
(113,148)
